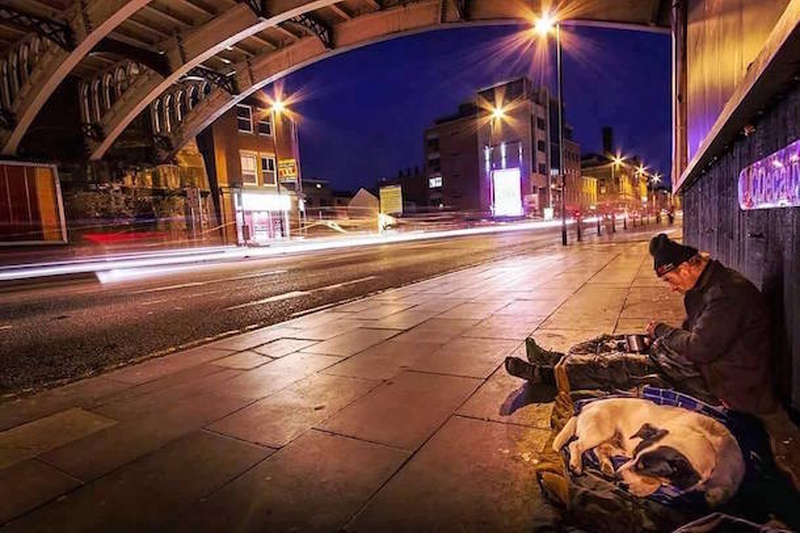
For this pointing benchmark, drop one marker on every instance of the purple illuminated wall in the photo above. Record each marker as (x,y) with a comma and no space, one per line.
(723,38)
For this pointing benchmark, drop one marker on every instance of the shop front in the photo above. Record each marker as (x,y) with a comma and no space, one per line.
(261,216)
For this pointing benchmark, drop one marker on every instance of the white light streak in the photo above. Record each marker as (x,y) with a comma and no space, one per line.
(125,267)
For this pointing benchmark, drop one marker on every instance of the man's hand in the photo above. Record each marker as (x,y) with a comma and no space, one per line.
(651,328)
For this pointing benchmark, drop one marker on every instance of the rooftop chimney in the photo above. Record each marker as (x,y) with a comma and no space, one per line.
(608,140)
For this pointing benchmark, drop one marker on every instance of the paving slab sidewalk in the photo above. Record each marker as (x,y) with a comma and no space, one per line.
(379,414)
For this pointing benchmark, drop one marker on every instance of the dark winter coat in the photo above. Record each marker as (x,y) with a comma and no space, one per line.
(726,334)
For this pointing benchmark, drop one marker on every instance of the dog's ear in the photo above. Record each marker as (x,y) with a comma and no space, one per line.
(649,435)
(669,464)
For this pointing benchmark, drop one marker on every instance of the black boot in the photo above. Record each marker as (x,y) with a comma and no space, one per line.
(522,369)
(539,356)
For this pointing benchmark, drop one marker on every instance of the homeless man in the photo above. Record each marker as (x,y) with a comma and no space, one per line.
(720,354)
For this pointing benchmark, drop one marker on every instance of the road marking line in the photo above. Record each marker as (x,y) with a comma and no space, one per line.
(345,284)
(256,275)
(154,302)
(170,287)
(209,282)
(276,298)
(295,294)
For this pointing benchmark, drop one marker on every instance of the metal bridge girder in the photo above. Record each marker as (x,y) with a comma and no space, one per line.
(227,82)
(186,51)
(90,21)
(317,27)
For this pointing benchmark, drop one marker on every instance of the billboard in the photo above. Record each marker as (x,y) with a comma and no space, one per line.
(507,192)
(391,197)
(31,209)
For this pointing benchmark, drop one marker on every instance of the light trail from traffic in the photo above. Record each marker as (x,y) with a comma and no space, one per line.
(127,266)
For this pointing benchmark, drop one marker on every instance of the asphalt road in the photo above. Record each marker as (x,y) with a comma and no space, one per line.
(53,332)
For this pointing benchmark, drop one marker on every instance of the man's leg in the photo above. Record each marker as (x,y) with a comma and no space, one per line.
(541,362)
(541,356)
(529,371)
(611,371)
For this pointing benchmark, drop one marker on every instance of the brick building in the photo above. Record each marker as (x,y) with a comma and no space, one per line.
(620,187)
(507,165)
(451,161)
(252,160)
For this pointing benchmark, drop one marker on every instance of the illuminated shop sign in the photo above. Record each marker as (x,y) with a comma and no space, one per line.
(773,181)
(266,202)
(287,169)
(507,193)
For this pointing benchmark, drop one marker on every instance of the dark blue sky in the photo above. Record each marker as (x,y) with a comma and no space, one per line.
(364,112)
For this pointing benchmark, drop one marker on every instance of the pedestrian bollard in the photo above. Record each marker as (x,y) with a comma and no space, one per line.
(625,222)
(613,223)
(579,227)
(598,224)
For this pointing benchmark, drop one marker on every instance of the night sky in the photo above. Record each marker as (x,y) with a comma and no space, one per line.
(363,112)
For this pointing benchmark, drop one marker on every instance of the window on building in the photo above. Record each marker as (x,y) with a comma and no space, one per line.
(244,118)
(268,170)
(435,164)
(541,146)
(264,122)
(433,144)
(542,168)
(434,182)
(249,168)
(540,123)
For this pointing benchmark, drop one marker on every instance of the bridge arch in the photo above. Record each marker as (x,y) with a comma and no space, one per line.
(408,19)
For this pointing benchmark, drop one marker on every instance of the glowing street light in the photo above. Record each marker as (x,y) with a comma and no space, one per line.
(498,113)
(656,179)
(544,24)
(278,106)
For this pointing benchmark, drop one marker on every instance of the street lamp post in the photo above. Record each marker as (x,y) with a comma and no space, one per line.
(542,26)
(655,180)
(497,114)
(561,138)
(616,162)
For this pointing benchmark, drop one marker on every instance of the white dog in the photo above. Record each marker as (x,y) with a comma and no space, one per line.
(665,445)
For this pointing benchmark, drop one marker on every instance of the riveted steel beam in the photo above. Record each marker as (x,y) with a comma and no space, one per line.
(317,27)
(223,81)
(152,60)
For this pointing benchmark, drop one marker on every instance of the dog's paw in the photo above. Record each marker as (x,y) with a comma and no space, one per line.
(607,468)
(576,466)
(717,495)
